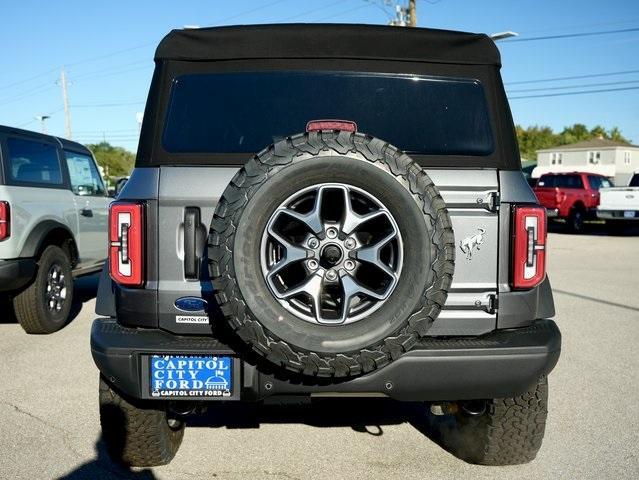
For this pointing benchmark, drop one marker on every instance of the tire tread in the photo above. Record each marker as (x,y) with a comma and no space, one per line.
(257,171)
(136,435)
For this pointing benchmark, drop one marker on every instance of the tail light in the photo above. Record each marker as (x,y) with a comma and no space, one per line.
(5,220)
(529,246)
(126,243)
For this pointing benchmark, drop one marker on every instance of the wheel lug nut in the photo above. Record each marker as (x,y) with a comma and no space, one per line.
(331,275)
(312,264)
(349,264)
(331,232)
(350,243)
(313,242)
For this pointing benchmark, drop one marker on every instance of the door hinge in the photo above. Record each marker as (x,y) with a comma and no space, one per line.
(493,201)
(493,303)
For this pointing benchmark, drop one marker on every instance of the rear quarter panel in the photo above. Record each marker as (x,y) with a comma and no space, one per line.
(30,206)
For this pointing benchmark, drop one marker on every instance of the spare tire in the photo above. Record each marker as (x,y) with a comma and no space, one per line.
(331,253)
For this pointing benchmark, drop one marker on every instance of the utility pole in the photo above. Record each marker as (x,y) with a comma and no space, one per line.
(412,13)
(405,16)
(65,99)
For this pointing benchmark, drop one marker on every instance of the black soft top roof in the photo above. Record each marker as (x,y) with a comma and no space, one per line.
(63,142)
(373,42)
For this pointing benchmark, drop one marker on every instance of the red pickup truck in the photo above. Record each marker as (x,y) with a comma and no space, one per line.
(571,196)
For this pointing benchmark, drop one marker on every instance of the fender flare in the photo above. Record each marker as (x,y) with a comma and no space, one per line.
(35,239)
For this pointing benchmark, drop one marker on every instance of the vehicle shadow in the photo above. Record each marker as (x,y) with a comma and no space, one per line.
(103,468)
(597,229)
(85,289)
(364,415)
(6,310)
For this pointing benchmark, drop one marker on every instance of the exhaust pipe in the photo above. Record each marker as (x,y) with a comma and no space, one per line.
(182,409)
(474,408)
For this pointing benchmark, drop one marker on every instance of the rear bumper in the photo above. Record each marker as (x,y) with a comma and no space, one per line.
(618,215)
(504,363)
(16,273)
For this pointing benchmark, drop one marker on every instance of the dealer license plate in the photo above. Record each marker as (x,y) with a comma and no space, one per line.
(629,214)
(191,376)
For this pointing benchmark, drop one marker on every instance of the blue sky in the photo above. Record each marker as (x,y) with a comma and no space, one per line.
(107,50)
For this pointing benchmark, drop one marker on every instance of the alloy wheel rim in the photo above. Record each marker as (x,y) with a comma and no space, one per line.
(331,254)
(56,289)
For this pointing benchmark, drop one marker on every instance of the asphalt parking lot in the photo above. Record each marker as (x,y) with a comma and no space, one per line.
(50,427)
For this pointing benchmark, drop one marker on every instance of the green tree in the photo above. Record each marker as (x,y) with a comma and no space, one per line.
(575,133)
(116,161)
(536,137)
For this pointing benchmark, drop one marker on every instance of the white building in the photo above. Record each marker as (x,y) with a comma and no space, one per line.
(612,159)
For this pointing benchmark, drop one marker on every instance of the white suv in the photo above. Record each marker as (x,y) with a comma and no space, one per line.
(53,225)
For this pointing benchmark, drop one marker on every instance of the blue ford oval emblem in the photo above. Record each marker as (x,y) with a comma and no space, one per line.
(191,304)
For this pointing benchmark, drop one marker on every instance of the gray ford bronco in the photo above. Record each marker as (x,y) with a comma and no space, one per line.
(326,210)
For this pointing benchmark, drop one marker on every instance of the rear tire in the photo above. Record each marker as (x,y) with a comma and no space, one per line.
(510,432)
(137,434)
(575,221)
(44,306)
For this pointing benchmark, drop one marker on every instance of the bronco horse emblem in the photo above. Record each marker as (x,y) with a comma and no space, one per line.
(474,241)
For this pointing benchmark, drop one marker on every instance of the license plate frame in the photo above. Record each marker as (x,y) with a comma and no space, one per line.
(214,393)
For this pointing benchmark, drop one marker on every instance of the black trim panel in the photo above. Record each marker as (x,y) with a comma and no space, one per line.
(15,274)
(504,363)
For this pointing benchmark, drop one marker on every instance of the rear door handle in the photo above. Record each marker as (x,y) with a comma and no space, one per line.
(86,212)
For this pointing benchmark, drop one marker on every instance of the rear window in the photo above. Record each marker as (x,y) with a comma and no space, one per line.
(245,112)
(561,181)
(33,162)
(634,181)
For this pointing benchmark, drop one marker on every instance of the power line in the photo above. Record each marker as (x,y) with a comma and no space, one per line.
(80,62)
(574,93)
(33,120)
(31,93)
(308,12)
(571,35)
(376,4)
(563,28)
(117,72)
(101,105)
(567,87)
(573,77)
(246,12)
(339,14)
(26,80)
(109,55)
(110,69)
